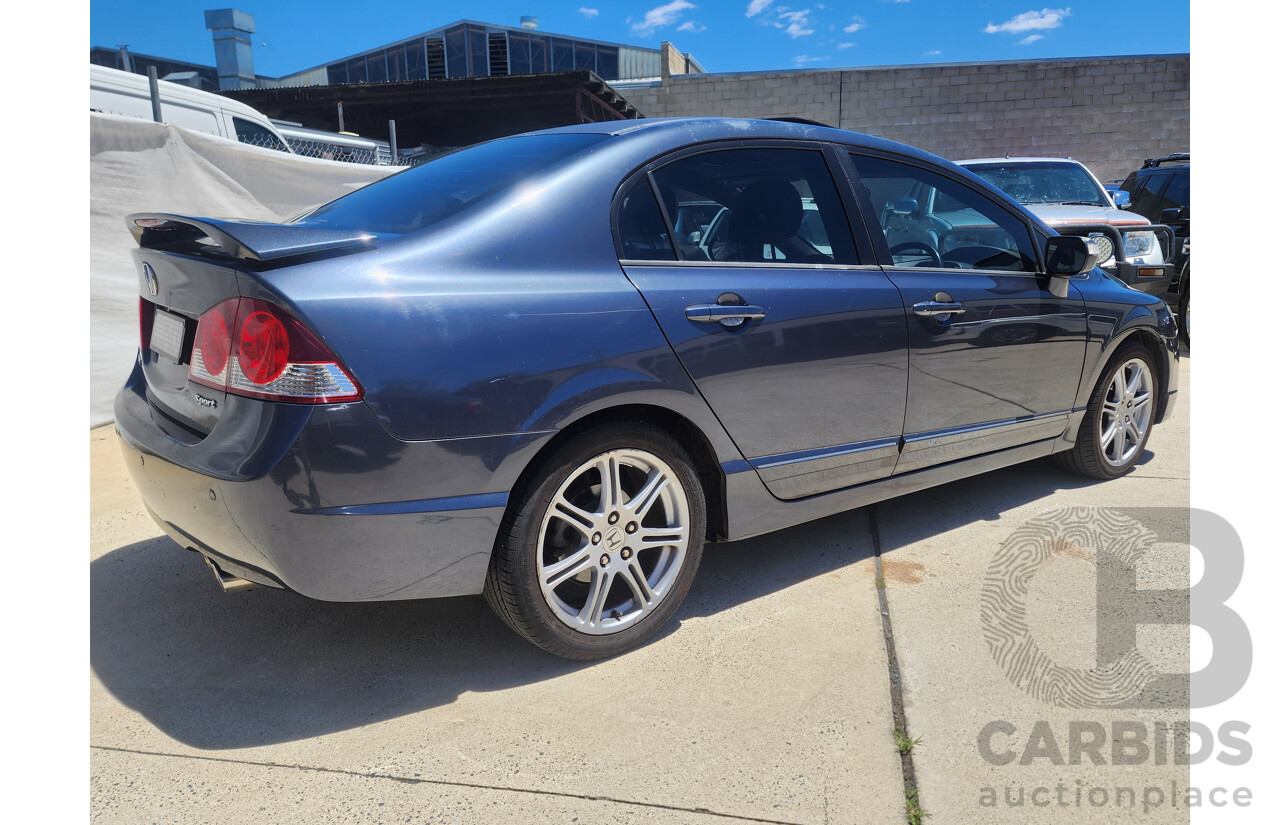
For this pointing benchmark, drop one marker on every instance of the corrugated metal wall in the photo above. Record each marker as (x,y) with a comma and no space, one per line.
(637,63)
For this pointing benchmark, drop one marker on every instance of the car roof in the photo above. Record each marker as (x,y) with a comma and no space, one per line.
(968,161)
(673,133)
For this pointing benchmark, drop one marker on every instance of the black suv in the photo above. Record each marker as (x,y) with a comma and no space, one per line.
(1161,192)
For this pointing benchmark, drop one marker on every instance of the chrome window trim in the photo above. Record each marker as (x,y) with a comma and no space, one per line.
(950,271)
(750,265)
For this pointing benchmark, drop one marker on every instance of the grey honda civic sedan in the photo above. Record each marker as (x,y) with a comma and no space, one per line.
(550,367)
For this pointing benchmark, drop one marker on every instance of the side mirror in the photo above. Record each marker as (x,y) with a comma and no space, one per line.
(1122,199)
(1065,256)
(1175,215)
(1069,255)
(906,206)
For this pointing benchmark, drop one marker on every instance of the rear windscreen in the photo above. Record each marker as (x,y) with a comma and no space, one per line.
(447,185)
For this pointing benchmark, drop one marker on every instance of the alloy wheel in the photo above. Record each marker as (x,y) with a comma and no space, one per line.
(1126,412)
(613,540)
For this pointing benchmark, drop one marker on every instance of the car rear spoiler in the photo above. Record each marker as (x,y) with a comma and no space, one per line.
(244,240)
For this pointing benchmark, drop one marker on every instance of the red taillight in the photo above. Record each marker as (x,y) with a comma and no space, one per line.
(212,349)
(213,339)
(264,348)
(249,347)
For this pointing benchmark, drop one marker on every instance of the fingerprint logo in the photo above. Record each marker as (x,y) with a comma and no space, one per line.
(1119,543)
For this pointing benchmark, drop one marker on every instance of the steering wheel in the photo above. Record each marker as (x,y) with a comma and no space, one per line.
(979,256)
(914,246)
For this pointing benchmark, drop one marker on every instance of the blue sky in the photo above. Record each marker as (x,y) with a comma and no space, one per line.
(742,35)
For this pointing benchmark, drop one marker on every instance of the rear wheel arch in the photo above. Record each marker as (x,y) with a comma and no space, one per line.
(685,432)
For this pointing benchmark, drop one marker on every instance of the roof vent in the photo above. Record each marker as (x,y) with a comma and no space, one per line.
(528,21)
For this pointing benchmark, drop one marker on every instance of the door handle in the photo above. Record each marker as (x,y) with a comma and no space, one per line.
(931,308)
(720,313)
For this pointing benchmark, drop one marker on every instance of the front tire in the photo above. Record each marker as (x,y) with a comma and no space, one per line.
(599,547)
(1119,417)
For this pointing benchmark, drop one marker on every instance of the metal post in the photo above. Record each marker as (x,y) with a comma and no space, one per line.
(154,82)
(342,127)
(395,150)
(126,61)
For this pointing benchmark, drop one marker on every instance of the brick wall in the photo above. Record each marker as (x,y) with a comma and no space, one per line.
(1110,113)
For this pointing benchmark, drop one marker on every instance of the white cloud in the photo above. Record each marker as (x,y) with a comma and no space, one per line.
(1030,21)
(758,6)
(1027,41)
(797,23)
(858,24)
(691,26)
(586,12)
(934,52)
(661,16)
(846,45)
(805,59)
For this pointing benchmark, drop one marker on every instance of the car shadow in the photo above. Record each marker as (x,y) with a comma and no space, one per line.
(936,510)
(217,671)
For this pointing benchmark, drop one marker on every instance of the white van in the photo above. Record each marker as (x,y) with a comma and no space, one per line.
(114,92)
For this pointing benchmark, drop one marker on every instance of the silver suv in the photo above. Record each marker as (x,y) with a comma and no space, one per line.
(1067,196)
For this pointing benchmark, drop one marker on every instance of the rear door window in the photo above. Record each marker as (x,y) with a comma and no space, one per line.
(641,233)
(929,220)
(756,206)
(1178,193)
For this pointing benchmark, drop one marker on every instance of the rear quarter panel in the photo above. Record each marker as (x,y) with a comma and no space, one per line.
(512,317)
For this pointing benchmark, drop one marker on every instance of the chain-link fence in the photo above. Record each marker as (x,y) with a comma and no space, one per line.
(342,148)
(376,156)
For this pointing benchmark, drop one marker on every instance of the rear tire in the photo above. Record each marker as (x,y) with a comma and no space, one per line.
(599,547)
(1118,420)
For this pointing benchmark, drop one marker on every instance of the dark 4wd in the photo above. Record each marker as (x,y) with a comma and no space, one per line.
(1161,192)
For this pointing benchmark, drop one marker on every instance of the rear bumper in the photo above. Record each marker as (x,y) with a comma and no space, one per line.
(322,500)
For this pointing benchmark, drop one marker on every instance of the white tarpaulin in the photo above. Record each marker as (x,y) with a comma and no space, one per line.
(139,166)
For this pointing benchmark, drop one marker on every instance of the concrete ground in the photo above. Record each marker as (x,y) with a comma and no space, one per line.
(772,699)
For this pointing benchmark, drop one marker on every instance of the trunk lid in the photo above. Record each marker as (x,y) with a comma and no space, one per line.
(184,287)
(186,266)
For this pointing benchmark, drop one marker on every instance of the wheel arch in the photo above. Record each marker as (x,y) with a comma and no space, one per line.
(1149,339)
(688,434)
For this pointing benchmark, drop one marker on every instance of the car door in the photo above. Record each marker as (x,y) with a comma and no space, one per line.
(748,260)
(1144,193)
(995,358)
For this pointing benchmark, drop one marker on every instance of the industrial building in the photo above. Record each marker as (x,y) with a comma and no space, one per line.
(470,49)
(465,48)
(469,81)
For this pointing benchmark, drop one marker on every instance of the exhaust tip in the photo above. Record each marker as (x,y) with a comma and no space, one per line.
(228,582)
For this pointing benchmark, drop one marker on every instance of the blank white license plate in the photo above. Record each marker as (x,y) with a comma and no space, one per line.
(167,332)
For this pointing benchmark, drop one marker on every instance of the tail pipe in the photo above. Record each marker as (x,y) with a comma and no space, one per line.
(228,582)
